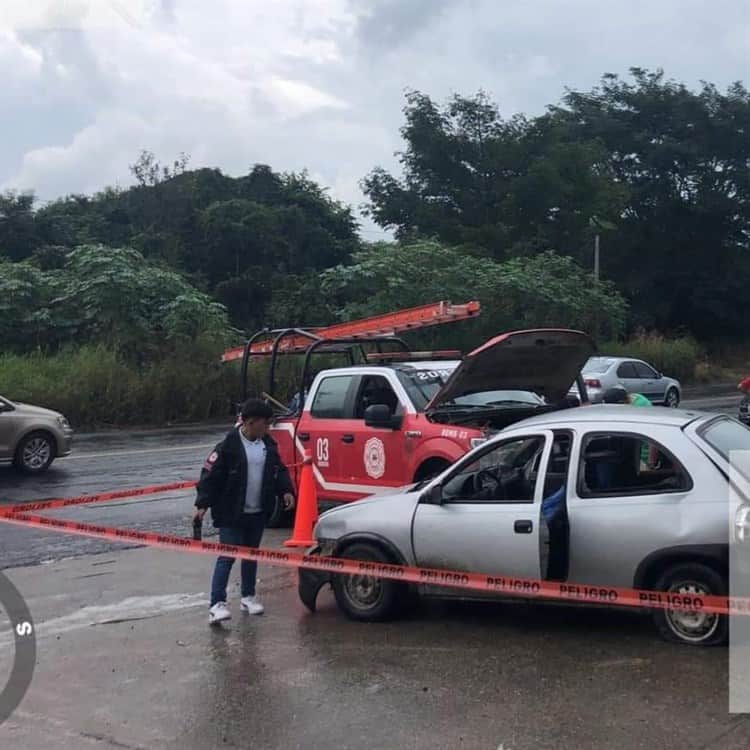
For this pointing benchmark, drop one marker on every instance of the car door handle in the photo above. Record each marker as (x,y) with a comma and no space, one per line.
(347,438)
(523,527)
(303,436)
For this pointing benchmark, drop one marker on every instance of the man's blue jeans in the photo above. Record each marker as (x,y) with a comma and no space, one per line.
(248,534)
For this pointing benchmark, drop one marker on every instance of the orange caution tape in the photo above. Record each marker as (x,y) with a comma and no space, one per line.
(517,587)
(100,497)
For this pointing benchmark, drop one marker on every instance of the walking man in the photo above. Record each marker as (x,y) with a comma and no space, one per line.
(239,482)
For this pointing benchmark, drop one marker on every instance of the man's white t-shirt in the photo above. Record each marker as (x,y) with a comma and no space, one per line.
(255,453)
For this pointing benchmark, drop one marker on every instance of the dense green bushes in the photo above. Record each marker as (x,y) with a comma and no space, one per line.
(104,294)
(95,386)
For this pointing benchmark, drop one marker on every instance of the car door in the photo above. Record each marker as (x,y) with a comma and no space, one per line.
(620,510)
(320,432)
(8,429)
(373,459)
(651,385)
(628,377)
(479,526)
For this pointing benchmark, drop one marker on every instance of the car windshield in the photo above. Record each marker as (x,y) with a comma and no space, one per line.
(422,385)
(597,364)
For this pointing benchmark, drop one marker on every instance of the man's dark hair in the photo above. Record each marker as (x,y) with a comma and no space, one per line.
(615,395)
(256,407)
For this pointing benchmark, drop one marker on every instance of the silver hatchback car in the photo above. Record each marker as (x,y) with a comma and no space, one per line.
(599,495)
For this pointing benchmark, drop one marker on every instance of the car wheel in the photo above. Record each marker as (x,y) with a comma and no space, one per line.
(692,628)
(430,469)
(672,399)
(365,597)
(35,453)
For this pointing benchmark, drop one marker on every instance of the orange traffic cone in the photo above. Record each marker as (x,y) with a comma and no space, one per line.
(307,509)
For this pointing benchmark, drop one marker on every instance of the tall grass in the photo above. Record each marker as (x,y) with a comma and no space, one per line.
(94,386)
(675,357)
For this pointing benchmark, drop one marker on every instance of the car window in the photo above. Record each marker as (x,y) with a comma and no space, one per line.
(505,473)
(330,398)
(726,435)
(557,465)
(597,365)
(626,370)
(642,370)
(626,464)
(374,389)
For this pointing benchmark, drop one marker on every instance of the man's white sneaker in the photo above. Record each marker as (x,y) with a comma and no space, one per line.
(218,613)
(251,605)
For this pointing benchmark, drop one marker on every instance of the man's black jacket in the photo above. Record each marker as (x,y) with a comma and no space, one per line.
(223,480)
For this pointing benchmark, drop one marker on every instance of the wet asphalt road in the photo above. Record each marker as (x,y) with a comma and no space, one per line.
(446,676)
(109,462)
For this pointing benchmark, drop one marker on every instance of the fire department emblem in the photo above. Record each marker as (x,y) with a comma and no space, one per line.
(375,458)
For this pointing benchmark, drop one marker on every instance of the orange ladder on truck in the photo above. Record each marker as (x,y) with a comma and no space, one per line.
(388,324)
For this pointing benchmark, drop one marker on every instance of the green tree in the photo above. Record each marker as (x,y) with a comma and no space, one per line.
(546,290)
(507,187)
(18,233)
(682,252)
(104,295)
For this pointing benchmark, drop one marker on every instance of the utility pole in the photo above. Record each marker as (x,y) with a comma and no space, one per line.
(596,256)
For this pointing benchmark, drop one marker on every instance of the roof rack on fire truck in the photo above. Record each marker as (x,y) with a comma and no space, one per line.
(343,337)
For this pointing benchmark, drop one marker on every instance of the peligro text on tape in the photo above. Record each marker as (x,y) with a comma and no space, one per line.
(517,587)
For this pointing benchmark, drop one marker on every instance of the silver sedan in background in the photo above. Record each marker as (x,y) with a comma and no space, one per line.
(635,375)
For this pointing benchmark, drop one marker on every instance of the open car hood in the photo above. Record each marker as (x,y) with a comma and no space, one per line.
(545,361)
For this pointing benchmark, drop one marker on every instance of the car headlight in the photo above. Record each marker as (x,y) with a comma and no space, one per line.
(475,442)
(63,423)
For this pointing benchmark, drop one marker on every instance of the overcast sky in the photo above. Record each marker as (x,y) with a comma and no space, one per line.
(316,84)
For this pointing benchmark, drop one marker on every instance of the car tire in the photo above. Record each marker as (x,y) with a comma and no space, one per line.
(430,469)
(35,452)
(367,598)
(692,629)
(672,398)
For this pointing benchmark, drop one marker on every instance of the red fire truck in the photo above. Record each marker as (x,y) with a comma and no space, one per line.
(388,417)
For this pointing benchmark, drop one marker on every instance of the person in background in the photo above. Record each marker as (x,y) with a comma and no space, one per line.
(744,412)
(239,482)
(298,400)
(619,395)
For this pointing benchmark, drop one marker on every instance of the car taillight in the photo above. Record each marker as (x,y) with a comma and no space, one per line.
(592,383)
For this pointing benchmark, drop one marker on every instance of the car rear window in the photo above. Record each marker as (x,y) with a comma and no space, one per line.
(725,436)
(597,364)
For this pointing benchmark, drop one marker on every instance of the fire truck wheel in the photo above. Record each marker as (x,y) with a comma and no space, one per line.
(430,468)
(364,597)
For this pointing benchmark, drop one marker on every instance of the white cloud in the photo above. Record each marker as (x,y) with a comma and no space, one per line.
(313,83)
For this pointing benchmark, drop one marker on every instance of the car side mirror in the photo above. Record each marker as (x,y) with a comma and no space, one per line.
(381,416)
(434,496)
